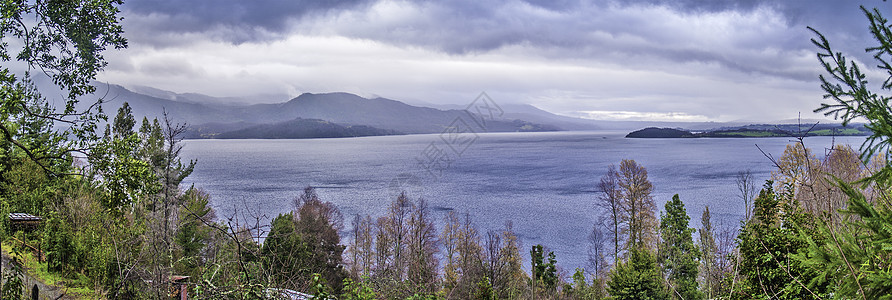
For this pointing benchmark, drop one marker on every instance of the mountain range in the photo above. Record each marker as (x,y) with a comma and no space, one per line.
(312,115)
(338,115)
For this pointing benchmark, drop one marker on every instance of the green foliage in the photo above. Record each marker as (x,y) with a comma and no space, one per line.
(581,290)
(357,290)
(853,257)
(60,251)
(64,39)
(855,260)
(319,288)
(13,285)
(639,278)
(768,244)
(122,176)
(124,122)
(848,87)
(484,290)
(298,248)
(678,255)
(544,273)
(194,231)
(282,251)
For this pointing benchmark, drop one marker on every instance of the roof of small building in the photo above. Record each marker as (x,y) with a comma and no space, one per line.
(23,217)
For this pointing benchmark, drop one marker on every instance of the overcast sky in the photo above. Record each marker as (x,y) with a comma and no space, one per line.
(685,60)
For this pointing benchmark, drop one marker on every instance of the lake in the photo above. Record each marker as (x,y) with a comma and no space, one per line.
(544,182)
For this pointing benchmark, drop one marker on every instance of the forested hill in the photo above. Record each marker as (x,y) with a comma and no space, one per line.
(302,129)
(755,131)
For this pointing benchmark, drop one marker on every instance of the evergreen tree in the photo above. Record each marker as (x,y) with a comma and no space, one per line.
(768,244)
(637,279)
(709,270)
(124,121)
(282,253)
(318,224)
(854,258)
(544,273)
(678,254)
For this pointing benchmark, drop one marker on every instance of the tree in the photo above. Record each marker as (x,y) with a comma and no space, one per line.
(768,245)
(611,200)
(598,267)
(397,231)
(710,272)
(194,232)
(449,238)
(282,253)
(422,246)
(318,224)
(639,278)
(746,185)
(820,196)
(65,40)
(583,291)
(544,272)
(678,254)
(639,205)
(470,259)
(124,121)
(362,252)
(794,167)
(854,258)
(515,279)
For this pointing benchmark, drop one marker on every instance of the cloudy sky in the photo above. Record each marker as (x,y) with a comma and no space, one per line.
(685,60)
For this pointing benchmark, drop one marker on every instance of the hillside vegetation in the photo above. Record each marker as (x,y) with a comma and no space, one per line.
(116,222)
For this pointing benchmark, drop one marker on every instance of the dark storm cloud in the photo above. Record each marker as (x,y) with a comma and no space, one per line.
(233,20)
(460,26)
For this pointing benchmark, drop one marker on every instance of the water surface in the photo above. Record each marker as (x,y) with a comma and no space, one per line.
(544,182)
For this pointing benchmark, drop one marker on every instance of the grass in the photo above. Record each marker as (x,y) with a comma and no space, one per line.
(39,270)
(745,133)
(765,133)
(845,131)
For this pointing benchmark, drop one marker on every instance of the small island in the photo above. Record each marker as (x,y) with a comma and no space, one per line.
(755,131)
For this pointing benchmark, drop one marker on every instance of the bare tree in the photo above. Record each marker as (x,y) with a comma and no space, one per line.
(422,246)
(639,205)
(746,185)
(361,246)
(597,262)
(383,248)
(611,200)
(510,254)
(449,238)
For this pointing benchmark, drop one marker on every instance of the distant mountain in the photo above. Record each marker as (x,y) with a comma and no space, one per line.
(303,129)
(209,120)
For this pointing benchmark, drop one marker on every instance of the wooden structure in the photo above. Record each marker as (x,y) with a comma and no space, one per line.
(26,222)
(179,287)
(23,221)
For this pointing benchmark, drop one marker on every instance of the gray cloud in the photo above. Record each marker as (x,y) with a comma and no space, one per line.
(702,58)
(236,21)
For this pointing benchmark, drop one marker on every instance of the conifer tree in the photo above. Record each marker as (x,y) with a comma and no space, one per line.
(678,255)
(637,279)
